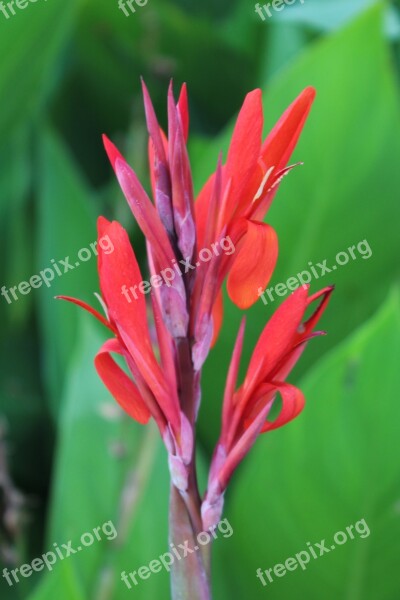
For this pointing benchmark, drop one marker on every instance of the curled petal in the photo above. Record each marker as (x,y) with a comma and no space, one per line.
(120,386)
(253,265)
(292,404)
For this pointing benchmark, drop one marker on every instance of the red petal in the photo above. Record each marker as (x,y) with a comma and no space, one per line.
(87,307)
(119,271)
(303,335)
(283,138)
(155,162)
(142,208)
(112,151)
(181,181)
(244,149)
(165,342)
(325,294)
(202,206)
(292,404)
(183,110)
(227,413)
(253,265)
(258,209)
(120,386)
(276,339)
(153,126)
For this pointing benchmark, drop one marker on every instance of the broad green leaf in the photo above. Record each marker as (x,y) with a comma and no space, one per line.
(337,464)
(276,55)
(108,468)
(66,225)
(15,174)
(323,14)
(329,15)
(61,583)
(341,196)
(30,42)
(16,238)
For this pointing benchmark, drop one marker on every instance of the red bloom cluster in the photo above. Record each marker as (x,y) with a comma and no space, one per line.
(164,368)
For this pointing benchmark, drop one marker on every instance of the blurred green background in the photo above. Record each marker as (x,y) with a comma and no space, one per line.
(69,461)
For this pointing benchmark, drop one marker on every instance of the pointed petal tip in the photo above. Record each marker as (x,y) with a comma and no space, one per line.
(310,92)
(112,151)
(102,225)
(256,92)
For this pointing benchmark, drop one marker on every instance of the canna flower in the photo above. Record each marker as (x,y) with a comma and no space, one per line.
(245,410)
(187,312)
(152,389)
(164,341)
(231,204)
(238,195)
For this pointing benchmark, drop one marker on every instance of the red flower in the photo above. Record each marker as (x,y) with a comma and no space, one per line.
(154,382)
(187,306)
(237,196)
(245,410)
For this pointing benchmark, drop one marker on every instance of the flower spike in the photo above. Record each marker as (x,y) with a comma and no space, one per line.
(163,328)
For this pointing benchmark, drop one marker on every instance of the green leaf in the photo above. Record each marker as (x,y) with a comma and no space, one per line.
(326,15)
(329,15)
(66,224)
(41,31)
(340,197)
(62,583)
(337,464)
(15,229)
(108,468)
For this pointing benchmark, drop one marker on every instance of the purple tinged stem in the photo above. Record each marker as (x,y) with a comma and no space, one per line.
(190,575)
